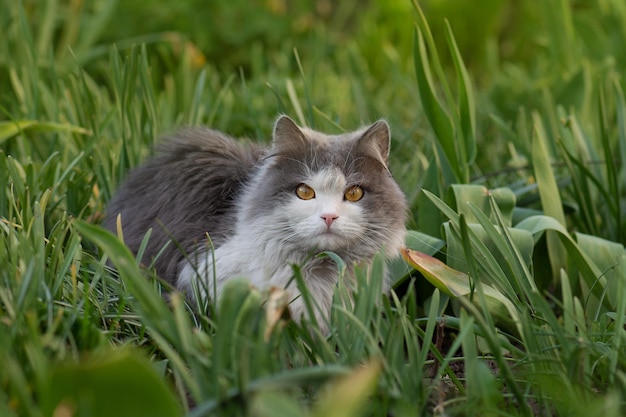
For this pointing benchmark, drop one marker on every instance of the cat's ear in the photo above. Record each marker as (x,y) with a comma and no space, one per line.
(376,141)
(287,133)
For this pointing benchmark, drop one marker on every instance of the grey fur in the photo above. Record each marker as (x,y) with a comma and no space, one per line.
(187,190)
(202,181)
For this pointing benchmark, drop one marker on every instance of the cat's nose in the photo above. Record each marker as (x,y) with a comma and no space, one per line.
(329,218)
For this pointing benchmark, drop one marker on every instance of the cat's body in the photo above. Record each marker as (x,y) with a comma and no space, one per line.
(264,209)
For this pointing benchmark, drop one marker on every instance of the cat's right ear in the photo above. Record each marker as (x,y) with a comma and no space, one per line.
(287,133)
(376,141)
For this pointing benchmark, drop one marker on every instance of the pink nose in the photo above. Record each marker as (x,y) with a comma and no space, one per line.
(329,218)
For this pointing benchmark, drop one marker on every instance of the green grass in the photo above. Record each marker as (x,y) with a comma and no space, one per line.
(509,142)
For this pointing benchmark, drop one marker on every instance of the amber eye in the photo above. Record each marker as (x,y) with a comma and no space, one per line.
(305,192)
(354,193)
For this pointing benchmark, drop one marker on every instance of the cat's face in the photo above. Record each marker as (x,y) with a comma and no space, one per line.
(318,192)
(327,211)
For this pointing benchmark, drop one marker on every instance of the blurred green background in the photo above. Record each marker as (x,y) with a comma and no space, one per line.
(533,103)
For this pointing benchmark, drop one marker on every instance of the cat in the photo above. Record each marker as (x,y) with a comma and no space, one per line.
(264,209)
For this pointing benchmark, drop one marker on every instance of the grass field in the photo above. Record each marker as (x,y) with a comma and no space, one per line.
(509,139)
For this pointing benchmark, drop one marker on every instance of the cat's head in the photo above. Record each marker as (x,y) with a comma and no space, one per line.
(317,192)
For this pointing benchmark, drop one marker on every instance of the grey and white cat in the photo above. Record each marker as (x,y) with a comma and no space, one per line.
(264,208)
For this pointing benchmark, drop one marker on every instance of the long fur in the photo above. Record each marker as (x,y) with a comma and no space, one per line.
(186,191)
(243,196)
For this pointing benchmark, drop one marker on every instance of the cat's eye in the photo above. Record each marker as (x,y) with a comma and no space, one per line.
(305,192)
(354,193)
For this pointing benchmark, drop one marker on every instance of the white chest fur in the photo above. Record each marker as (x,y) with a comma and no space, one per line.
(250,257)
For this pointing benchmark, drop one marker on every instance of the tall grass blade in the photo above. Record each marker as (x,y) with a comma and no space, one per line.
(549,194)
(438,117)
(466,101)
(11,129)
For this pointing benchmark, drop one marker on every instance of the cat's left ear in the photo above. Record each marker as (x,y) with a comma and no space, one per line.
(376,141)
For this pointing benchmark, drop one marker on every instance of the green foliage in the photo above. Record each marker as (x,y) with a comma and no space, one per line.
(86,389)
(509,125)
